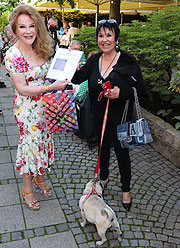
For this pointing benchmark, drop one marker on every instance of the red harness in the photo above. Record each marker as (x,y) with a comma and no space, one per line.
(92,192)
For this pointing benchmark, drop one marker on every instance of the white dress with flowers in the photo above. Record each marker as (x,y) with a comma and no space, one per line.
(35,149)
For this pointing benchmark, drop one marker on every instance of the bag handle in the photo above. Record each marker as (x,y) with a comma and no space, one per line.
(138,108)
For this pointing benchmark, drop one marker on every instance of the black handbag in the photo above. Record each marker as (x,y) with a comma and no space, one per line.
(136,132)
(85,119)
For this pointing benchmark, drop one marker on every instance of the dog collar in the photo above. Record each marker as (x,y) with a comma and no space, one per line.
(92,192)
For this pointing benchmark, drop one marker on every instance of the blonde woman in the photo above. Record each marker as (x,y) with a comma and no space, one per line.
(26,62)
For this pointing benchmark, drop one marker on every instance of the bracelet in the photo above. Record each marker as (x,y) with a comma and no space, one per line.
(46,88)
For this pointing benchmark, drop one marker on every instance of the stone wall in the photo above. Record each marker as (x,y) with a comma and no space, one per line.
(166,138)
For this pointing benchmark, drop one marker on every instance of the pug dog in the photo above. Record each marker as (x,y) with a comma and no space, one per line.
(96,211)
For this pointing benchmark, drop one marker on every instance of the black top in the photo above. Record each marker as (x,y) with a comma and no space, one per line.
(125,74)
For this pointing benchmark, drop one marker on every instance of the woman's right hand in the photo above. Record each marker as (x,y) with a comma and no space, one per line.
(59,85)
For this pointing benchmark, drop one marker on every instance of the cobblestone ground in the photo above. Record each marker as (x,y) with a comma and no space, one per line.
(154,219)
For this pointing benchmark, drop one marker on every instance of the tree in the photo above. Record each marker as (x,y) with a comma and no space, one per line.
(97,3)
(9,5)
(115,10)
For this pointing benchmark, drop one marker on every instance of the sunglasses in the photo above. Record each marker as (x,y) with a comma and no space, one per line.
(108,21)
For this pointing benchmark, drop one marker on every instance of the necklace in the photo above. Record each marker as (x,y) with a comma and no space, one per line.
(100,81)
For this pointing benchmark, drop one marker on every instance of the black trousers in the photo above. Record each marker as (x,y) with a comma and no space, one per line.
(122,154)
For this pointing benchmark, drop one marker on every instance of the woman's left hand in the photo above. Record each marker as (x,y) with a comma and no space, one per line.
(114,93)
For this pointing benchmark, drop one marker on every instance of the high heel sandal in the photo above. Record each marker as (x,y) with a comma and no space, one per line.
(47,192)
(34,205)
(127,205)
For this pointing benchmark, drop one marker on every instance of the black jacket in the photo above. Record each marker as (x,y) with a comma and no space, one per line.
(125,74)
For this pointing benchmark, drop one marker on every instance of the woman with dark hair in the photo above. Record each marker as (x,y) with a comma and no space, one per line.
(122,70)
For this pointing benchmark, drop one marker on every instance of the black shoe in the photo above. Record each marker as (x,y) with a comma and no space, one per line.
(2,86)
(127,206)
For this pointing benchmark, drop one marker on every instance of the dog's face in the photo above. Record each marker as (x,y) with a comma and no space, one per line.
(99,186)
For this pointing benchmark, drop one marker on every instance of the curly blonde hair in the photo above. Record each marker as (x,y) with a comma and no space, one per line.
(43,42)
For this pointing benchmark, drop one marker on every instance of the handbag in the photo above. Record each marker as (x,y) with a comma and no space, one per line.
(60,111)
(136,132)
(82,92)
(85,120)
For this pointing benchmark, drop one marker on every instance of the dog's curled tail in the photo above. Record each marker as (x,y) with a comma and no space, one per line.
(107,212)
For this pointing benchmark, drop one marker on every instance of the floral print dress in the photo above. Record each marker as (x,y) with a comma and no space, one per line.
(35,148)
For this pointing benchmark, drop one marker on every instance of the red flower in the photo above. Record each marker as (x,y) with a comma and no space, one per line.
(41,125)
(35,161)
(15,117)
(14,105)
(41,146)
(22,128)
(21,163)
(41,170)
(36,98)
(45,164)
(50,154)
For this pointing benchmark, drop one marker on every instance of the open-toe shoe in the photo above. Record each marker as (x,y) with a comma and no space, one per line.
(34,205)
(36,185)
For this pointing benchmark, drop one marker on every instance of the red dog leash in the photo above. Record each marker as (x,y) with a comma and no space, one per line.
(103,127)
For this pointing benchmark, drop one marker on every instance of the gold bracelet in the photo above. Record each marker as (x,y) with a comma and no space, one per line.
(46,88)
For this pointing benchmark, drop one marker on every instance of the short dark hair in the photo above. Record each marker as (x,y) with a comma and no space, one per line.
(111,26)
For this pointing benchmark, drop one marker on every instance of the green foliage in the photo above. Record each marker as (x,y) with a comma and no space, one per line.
(88,42)
(175,82)
(9,5)
(177,125)
(3,21)
(155,43)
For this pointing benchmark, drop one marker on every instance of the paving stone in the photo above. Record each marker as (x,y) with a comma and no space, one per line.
(62,227)
(16,244)
(50,213)
(50,229)
(5,156)
(13,155)
(60,240)
(5,237)
(16,236)
(11,191)
(39,231)
(28,233)
(6,171)
(157,244)
(11,219)
(13,139)
(3,141)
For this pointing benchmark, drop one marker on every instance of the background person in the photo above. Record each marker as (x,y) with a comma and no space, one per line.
(9,37)
(72,31)
(64,29)
(122,70)
(27,63)
(52,29)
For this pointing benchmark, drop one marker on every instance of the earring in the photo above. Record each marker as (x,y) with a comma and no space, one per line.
(98,50)
(117,47)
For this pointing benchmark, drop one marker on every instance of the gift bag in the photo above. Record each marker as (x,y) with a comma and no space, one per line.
(136,132)
(60,111)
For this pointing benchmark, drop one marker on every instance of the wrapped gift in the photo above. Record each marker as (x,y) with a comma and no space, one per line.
(60,111)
